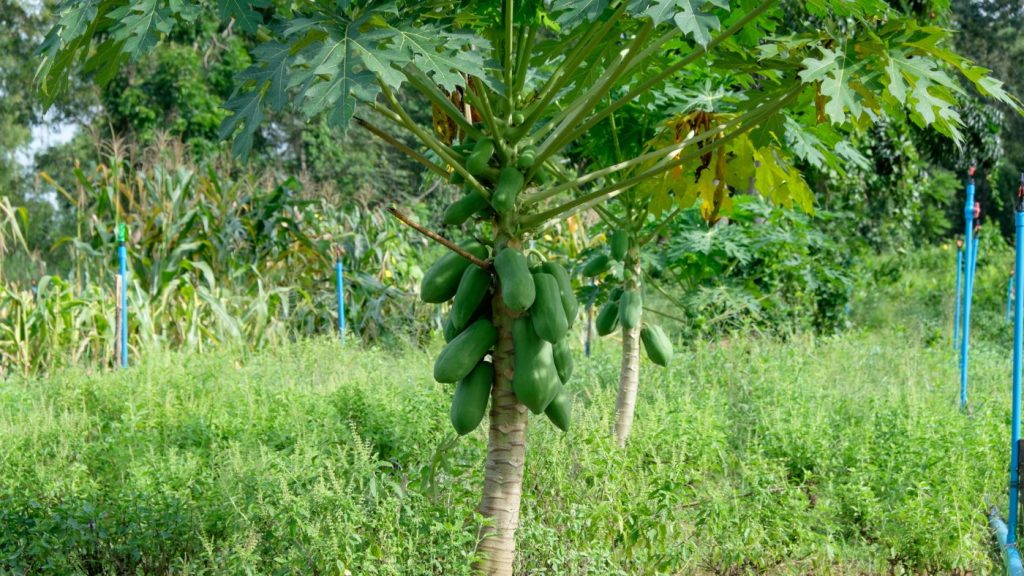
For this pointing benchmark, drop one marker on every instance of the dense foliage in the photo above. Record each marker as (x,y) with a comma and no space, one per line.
(834,455)
(213,261)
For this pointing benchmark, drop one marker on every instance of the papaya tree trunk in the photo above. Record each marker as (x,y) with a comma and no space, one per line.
(506,454)
(629,374)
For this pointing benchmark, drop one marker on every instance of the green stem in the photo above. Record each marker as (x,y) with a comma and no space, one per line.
(436,97)
(615,138)
(440,171)
(482,102)
(608,217)
(634,93)
(657,230)
(509,34)
(563,74)
(527,37)
(557,140)
(663,152)
(430,141)
(614,189)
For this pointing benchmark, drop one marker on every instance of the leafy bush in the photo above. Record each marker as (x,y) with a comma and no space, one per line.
(768,269)
(840,455)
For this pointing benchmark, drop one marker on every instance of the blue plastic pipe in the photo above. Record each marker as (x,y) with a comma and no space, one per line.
(956,316)
(1010,554)
(1018,347)
(122,267)
(339,273)
(968,285)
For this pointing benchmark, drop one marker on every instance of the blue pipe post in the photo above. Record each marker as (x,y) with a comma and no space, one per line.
(339,274)
(122,268)
(1018,347)
(1011,555)
(956,315)
(968,285)
(1006,533)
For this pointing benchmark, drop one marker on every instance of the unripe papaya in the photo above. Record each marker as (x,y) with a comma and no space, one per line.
(597,264)
(526,158)
(469,403)
(607,319)
(471,292)
(619,244)
(477,161)
(514,277)
(510,182)
(657,344)
(463,353)
(542,176)
(616,294)
(518,118)
(564,364)
(570,304)
(631,308)
(546,313)
(442,278)
(449,330)
(463,208)
(559,411)
(535,379)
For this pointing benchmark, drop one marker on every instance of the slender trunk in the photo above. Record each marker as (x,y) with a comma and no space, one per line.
(506,454)
(629,375)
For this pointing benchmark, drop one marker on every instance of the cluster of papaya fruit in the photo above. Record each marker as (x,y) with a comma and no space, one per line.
(544,306)
(625,307)
(506,182)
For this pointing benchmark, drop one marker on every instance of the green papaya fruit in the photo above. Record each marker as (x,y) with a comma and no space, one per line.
(527,157)
(597,264)
(517,289)
(559,411)
(449,331)
(518,118)
(535,379)
(469,403)
(570,304)
(619,244)
(547,314)
(607,319)
(510,182)
(631,308)
(464,352)
(657,344)
(616,294)
(564,363)
(477,161)
(463,208)
(442,278)
(542,176)
(471,292)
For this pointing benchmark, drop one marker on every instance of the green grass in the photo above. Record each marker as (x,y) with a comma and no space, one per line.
(841,455)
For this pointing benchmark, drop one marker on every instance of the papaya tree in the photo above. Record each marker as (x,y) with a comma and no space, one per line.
(513,84)
(637,217)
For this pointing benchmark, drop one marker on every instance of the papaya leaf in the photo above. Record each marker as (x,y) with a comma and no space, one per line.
(573,12)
